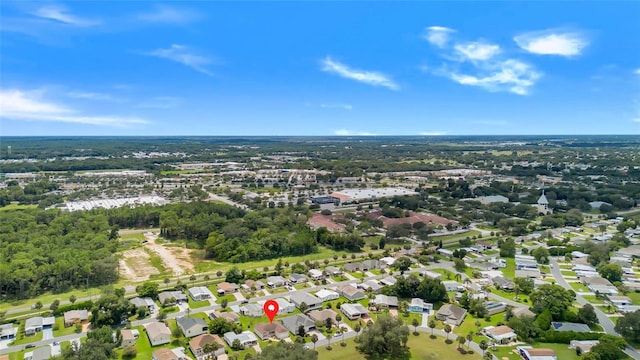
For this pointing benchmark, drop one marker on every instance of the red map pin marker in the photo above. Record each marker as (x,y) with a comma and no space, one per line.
(271,308)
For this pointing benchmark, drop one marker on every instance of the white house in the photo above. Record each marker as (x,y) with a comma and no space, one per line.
(199,293)
(327,295)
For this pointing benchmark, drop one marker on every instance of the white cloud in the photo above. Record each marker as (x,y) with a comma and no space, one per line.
(636,120)
(479,50)
(93,96)
(552,42)
(337,106)
(27,106)
(509,75)
(182,54)
(438,35)
(368,77)
(432,133)
(61,14)
(169,15)
(345,132)
(637,71)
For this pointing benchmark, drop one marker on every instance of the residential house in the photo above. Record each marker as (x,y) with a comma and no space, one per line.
(225,288)
(371,265)
(323,315)
(600,285)
(298,278)
(431,274)
(351,292)
(146,302)
(519,312)
(531,274)
(41,353)
(503,283)
(420,306)
(251,310)
(271,330)
(37,323)
(316,274)
(276,281)
(525,264)
(568,326)
(229,316)
(584,345)
(333,271)
(200,293)
(388,261)
(451,285)
(252,284)
(494,307)
(75,317)
(327,295)
(172,297)
(500,334)
(371,285)
(284,306)
(299,297)
(197,344)
(451,314)
(8,332)
(388,281)
(158,333)
(129,337)
(292,323)
(617,301)
(169,354)
(529,353)
(246,338)
(352,266)
(192,326)
(385,301)
(354,311)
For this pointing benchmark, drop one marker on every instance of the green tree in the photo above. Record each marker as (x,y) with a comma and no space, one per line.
(627,327)
(38,305)
(524,285)
(224,302)
(54,305)
(402,263)
(72,299)
(461,340)
(447,329)
(303,307)
(541,255)
(384,339)
(611,272)
(148,289)
(314,340)
(432,325)
(432,290)
(507,248)
(552,297)
(587,314)
(287,351)
(415,324)
(234,275)
(484,345)
(459,264)
(610,348)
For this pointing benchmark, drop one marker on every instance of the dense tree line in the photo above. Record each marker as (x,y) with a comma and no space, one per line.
(54,251)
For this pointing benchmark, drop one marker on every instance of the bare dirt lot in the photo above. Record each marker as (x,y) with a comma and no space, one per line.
(135,265)
(175,259)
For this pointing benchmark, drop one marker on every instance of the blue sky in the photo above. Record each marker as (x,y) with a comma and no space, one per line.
(319,68)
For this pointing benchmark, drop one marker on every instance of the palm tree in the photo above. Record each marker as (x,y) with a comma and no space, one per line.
(478,326)
(458,277)
(415,324)
(461,341)
(447,329)
(314,340)
(343,329)
(484,345)
(206,279)
(469,338)
(432,325)
(357,327)
(338,319)
(166,282)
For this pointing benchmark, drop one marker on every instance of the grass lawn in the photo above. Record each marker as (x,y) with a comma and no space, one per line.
(592,299)
(48,298)
(562,351)
(301,286)
(27,339)
(17,207)
(455,236)
(357,274)
(468,325)
(578,287)
(198,304)
(229,297)
(522,298)
(510,270)
(61,329)
(421,348)
(635,297)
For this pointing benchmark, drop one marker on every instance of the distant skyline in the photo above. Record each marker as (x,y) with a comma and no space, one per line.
(319,68)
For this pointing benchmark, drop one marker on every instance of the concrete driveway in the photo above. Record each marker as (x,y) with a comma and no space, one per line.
(47,334)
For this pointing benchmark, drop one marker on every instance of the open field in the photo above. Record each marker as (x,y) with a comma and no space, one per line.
(17,207)
(421,347)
